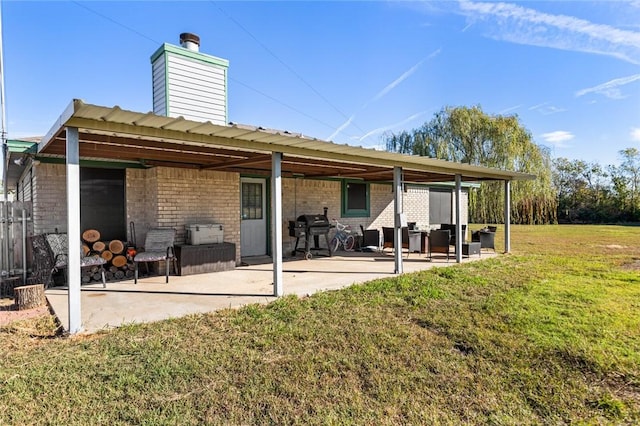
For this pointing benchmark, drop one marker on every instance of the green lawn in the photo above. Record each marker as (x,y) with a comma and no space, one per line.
(549,334)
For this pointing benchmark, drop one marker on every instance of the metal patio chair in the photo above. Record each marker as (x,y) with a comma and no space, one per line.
(158,246)
(50,255)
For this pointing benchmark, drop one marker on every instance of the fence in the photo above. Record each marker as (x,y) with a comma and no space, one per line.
(16,225)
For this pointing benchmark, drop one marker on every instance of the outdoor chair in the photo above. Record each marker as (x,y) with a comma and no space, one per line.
(50,255)
(158,246)
(452,229)
(439,242)
(485,238)
(388,238)
(370,238)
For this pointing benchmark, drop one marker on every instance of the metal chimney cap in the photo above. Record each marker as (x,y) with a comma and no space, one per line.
(190,41)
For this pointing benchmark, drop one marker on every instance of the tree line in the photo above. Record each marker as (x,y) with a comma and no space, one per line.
(563,191)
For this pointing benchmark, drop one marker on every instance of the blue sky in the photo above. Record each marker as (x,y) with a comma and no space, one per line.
(346,71)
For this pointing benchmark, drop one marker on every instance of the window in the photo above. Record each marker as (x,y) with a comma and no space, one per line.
(440,205)
(355,199)
(251,200)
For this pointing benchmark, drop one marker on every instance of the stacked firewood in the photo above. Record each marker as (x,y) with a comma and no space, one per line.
(119,266)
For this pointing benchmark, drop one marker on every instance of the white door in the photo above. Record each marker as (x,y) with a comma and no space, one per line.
(253,227)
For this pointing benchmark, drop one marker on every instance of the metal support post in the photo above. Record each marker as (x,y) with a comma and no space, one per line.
(276,218)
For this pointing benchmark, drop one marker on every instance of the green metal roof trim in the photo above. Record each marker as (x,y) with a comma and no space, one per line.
(17,145)
(181,51)
(116,121)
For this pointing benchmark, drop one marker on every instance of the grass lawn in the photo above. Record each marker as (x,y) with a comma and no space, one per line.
(548,334)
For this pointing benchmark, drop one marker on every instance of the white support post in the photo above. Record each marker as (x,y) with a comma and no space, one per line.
(73,229)
(459,235)
(276,219)
(397,207)
(507,216)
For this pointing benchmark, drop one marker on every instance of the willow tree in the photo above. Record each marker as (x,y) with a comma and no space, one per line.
(468,135)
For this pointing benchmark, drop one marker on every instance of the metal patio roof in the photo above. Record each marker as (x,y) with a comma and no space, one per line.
(111,133)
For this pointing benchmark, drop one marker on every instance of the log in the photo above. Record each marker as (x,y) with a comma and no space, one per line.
(108,275)
(99,246)
(113,269)
(85,249)
(119,275)
(107,255)
(119,261)
(129,273)
(97,276)
(116,246)
(29,296)
(86,278)
(91,235)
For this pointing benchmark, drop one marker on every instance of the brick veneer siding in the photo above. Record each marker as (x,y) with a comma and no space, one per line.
(169,197)
(300,196)
(159,196)
(49,198)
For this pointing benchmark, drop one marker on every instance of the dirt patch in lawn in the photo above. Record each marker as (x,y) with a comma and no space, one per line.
(9,314)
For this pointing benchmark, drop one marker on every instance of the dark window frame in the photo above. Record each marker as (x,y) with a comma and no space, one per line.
(346,211)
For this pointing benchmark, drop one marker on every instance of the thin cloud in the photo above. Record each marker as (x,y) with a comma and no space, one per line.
(508,110)
(635,134)
(521,25)
(559,138)
(341,128)
(546,109)
(383,129)
(388,88)
(610,89)
(402,78)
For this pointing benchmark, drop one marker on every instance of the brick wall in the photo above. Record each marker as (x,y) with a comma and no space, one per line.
(300,196)
(49,198)
(169,197)
(174,198)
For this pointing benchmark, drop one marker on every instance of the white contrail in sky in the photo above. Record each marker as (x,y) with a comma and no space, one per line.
(391,126)
(388,88)
(610,89)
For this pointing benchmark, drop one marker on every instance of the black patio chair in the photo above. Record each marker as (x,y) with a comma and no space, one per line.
(485,238)
(439,242)
(50,255)
(388,240)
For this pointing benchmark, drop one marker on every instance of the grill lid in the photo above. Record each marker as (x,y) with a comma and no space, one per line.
(314,220)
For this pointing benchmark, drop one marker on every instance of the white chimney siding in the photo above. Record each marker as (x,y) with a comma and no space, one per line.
(190,84)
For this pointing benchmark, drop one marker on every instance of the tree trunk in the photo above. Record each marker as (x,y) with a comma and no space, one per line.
(29,296)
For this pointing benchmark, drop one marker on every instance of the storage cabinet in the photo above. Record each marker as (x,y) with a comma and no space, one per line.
(205,258)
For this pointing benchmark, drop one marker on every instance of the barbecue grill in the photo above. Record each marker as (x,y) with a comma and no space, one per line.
(307,226)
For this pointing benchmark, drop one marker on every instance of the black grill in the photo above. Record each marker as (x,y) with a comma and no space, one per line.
(307,226)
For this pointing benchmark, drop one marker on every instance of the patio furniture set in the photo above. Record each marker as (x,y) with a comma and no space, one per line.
(440,240)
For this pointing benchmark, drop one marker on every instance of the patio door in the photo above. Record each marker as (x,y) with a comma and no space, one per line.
(253,226)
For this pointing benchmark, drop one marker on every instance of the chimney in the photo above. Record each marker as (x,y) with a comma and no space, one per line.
(190,41)
(189,83)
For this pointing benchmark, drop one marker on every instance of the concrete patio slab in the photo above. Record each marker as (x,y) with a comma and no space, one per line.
(152,299)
